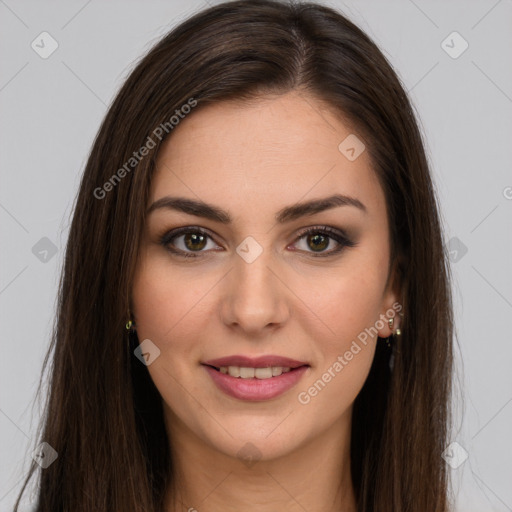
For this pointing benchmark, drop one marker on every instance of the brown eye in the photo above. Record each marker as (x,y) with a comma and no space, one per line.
(195,241)
(318,242)
(187,241)
(318,239)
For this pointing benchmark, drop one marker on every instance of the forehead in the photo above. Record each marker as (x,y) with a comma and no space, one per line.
(263,154)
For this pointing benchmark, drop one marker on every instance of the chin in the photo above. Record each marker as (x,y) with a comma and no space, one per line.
(262,438)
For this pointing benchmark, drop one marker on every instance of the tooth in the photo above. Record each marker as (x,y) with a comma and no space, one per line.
(246,373)
(258,373)
(263,373)
(234,371)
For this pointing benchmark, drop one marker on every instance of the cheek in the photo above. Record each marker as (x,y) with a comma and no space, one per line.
(349,299)
(345,351)
(164,298)
(165,302)
(348,303)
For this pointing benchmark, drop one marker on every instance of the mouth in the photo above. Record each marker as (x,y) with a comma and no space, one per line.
(258,381)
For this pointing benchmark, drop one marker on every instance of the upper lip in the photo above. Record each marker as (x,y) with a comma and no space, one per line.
(255,362)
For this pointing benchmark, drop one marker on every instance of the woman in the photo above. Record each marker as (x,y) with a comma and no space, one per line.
(255,307)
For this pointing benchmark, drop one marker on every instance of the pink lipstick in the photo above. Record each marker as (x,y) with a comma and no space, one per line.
(255,379)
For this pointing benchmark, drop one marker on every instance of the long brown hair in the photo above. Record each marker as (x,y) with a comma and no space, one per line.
(103,414)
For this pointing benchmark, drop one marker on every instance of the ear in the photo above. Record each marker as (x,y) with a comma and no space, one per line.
(391,304)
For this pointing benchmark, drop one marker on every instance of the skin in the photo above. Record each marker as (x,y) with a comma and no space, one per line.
(253,159)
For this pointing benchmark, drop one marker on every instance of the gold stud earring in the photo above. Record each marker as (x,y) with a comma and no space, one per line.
(130,324)
(397,332)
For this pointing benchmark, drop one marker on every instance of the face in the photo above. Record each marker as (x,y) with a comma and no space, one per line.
(254,276)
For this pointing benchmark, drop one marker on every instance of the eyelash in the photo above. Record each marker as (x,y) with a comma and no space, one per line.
(334,234)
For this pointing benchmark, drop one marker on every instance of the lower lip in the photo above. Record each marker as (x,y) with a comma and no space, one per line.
(256,389)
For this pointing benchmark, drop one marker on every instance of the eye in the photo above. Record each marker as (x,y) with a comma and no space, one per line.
(186,241)
(321,237)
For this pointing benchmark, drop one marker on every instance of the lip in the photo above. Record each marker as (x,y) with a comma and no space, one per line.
(255,389)
(255,362)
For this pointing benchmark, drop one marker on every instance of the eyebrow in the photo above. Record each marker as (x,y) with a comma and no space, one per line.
(287,214)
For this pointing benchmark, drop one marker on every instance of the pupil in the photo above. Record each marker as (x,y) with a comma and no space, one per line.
(319,241)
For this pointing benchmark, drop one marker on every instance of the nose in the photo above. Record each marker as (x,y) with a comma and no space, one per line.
(255,300)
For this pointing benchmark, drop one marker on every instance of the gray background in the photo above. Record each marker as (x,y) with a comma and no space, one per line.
(51,109)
